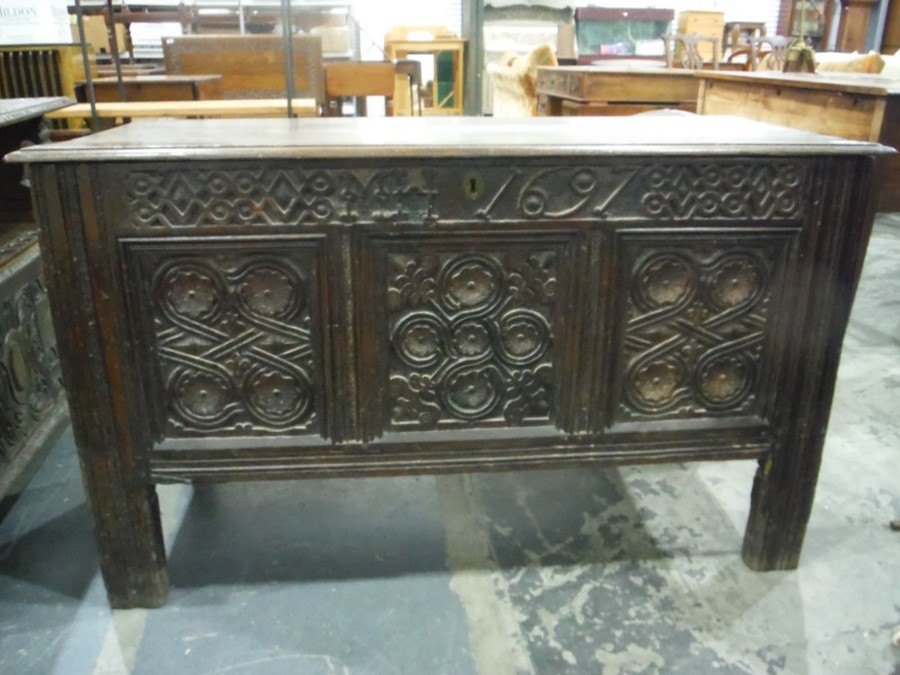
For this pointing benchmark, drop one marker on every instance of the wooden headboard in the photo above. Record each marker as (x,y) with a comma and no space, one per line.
(251,66)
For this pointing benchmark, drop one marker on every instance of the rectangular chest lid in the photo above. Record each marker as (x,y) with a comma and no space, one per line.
(397,137)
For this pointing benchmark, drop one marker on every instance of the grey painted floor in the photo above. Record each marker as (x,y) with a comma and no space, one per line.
(635,570)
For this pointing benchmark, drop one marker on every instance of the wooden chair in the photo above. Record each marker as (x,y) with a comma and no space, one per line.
(358,79)
(776,55)
(685,51)
(410,71)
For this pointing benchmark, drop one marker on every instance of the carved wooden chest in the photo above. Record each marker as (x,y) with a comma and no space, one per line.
(32,405)
(346,297)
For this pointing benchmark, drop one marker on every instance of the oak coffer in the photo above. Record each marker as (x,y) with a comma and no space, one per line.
(332,297)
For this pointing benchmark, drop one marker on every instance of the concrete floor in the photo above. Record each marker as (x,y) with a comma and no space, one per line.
(635,570)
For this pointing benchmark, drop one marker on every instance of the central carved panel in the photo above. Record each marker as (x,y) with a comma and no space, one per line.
(471,338)
(235,342)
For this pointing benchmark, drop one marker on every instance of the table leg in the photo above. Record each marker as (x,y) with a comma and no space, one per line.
(549,106)
(780,504)
(129,536)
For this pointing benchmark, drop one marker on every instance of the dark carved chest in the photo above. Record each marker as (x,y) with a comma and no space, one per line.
(353,297)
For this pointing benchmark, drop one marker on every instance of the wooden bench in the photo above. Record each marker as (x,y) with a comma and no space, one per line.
(265,107)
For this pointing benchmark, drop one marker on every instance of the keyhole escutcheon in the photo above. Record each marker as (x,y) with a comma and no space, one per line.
(473,186)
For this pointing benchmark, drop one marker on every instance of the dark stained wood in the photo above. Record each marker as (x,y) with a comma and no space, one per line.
(32,405)
(363,297)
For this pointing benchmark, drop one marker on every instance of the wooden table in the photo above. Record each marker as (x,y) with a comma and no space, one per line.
(265,107)
(383,296)
(854,106)
(593,90)
(155,88)
(32,405)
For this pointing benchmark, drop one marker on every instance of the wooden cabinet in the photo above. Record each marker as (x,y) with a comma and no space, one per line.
(702,23)
(365,296)
(890,42)
(856,15)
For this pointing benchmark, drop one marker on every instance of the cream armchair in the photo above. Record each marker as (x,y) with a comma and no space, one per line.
(514,82)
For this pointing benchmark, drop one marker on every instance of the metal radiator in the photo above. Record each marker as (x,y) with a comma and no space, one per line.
(31,72)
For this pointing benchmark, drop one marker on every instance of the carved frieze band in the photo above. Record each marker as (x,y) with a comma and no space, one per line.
(471,338)
(188,198)
(30,378)
(695,322)
(235,345)
(746,189)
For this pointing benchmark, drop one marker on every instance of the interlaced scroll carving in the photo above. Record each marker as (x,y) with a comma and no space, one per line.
(265,196)
(745,190)
(693,340)
(30,379)
(471,338)
(234,340)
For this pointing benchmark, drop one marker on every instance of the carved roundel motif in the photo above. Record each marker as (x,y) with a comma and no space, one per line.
(472,338)
(473,393)
(724,381)
(472,283)
(419,340)
(736,280)
(201,397)
(664,281)
(272,291)
(277,398)
(656,383)
(191,291)
(525,336)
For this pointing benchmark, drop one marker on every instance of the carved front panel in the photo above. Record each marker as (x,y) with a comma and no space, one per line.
(471,336)
(319,194)
(30,379)
(236,334)
(696,318)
